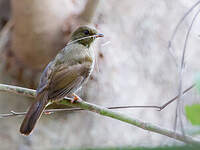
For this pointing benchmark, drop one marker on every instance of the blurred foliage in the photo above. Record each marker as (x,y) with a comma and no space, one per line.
(193,113)
(186,147)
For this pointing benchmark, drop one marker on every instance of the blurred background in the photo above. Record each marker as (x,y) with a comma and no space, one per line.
(133,67)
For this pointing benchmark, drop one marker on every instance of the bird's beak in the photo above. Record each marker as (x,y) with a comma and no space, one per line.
(99,35)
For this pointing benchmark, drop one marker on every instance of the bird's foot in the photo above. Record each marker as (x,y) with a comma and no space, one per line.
(74,98)
(48,113)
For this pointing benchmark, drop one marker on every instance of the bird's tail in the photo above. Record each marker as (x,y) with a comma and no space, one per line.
(34,113)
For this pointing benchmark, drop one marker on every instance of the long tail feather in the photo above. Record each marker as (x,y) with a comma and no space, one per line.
(34,113)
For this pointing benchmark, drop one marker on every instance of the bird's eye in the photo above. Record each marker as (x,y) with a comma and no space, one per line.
(86,32)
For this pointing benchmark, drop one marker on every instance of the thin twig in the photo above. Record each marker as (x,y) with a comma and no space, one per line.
(170,48)
(175,98)
(31,93)
(50,111)
(180,93)
(180,22)
(159,108)
(47,112)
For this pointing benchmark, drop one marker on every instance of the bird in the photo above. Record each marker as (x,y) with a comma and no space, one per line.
(64,75)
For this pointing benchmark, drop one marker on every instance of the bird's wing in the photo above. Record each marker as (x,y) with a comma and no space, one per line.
(67,79)
(45,78)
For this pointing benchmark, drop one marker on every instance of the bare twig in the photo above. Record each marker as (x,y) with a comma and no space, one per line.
(49,111)
(106,112)
(180,22)
(175,98)
(31,93)
(11,114)
(180,93)
(170,48)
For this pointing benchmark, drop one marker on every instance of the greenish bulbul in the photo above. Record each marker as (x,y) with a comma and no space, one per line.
(64,75)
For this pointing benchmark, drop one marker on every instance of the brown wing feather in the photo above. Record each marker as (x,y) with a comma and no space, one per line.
(59,94)
(67,80)
(45,78)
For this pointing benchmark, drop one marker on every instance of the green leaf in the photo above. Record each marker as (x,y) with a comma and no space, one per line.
(193,113)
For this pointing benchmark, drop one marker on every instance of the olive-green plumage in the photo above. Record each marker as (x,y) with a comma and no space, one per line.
(64,75)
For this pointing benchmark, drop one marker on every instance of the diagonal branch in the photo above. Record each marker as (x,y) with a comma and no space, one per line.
(106,112)
(130,120)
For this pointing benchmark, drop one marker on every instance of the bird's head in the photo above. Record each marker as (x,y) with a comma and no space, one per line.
(84,35)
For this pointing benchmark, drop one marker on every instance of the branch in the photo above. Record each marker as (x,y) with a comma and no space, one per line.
(50,111)
(31,93)
(46,112)
(124,118)
(13,89)
(176,97)
(17,90)
(106,112)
